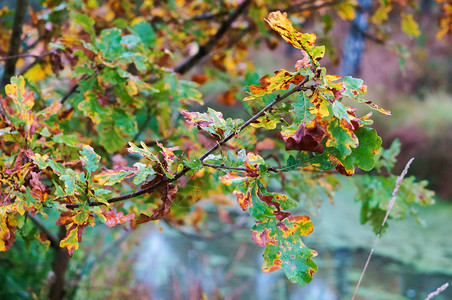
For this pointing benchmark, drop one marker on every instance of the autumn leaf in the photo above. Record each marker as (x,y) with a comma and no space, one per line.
(23,102)
(212,122)
(341,137)
(111,177)
(227,98)
(364,155)
(279,22)
(284,248)
(168,153)
(346,9)
(232,178)
(75,222)
(305,138)
(409,25)
(8,225)
(281,80)
(144,151)
(354,88)
(89,158)
(112,218)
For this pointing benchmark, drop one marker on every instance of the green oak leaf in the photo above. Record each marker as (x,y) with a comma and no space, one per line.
(387,157)
(68,140)
(57,167)
(194,164)
(340,111)
(341,138)
(142,173)
(111,139)
(145,32)
(364,155)
(89,158)
(109,43)
(87,23)
(70,181)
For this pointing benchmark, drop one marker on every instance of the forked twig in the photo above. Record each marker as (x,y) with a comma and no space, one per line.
(391,204)
(298,88)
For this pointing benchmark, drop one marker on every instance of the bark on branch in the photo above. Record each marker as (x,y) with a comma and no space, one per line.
(207,47)
(300,87)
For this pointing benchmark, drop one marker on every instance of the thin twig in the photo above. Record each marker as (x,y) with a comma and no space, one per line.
(208,46)
(299,8)
(149,189)
(35,62)
(206,16)
(368,35)
(438,291)
(234,168)
(26,55)
(74,88)
(391,204)
(54,241)
(69,93)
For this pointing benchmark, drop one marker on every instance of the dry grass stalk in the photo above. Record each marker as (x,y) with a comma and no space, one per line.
(391,204)
(438,291)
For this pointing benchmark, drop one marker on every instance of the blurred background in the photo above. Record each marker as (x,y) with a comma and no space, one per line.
(410,76)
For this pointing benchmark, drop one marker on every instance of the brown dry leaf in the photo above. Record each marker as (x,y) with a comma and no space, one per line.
(199,78)
(227,98)
(266,143)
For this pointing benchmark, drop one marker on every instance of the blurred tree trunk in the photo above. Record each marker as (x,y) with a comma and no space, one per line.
(60,268)
(355,41)
(14,42)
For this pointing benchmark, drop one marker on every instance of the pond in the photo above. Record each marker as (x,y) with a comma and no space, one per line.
(408,263)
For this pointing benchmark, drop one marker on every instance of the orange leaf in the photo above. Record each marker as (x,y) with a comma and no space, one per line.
(114,218)
(227,98)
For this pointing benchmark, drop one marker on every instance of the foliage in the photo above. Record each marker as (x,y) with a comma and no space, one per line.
(63,149)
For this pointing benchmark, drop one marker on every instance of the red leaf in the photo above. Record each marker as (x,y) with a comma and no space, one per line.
(263,238)
(65,218)
(38,190)
(244,200)
(306,138)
